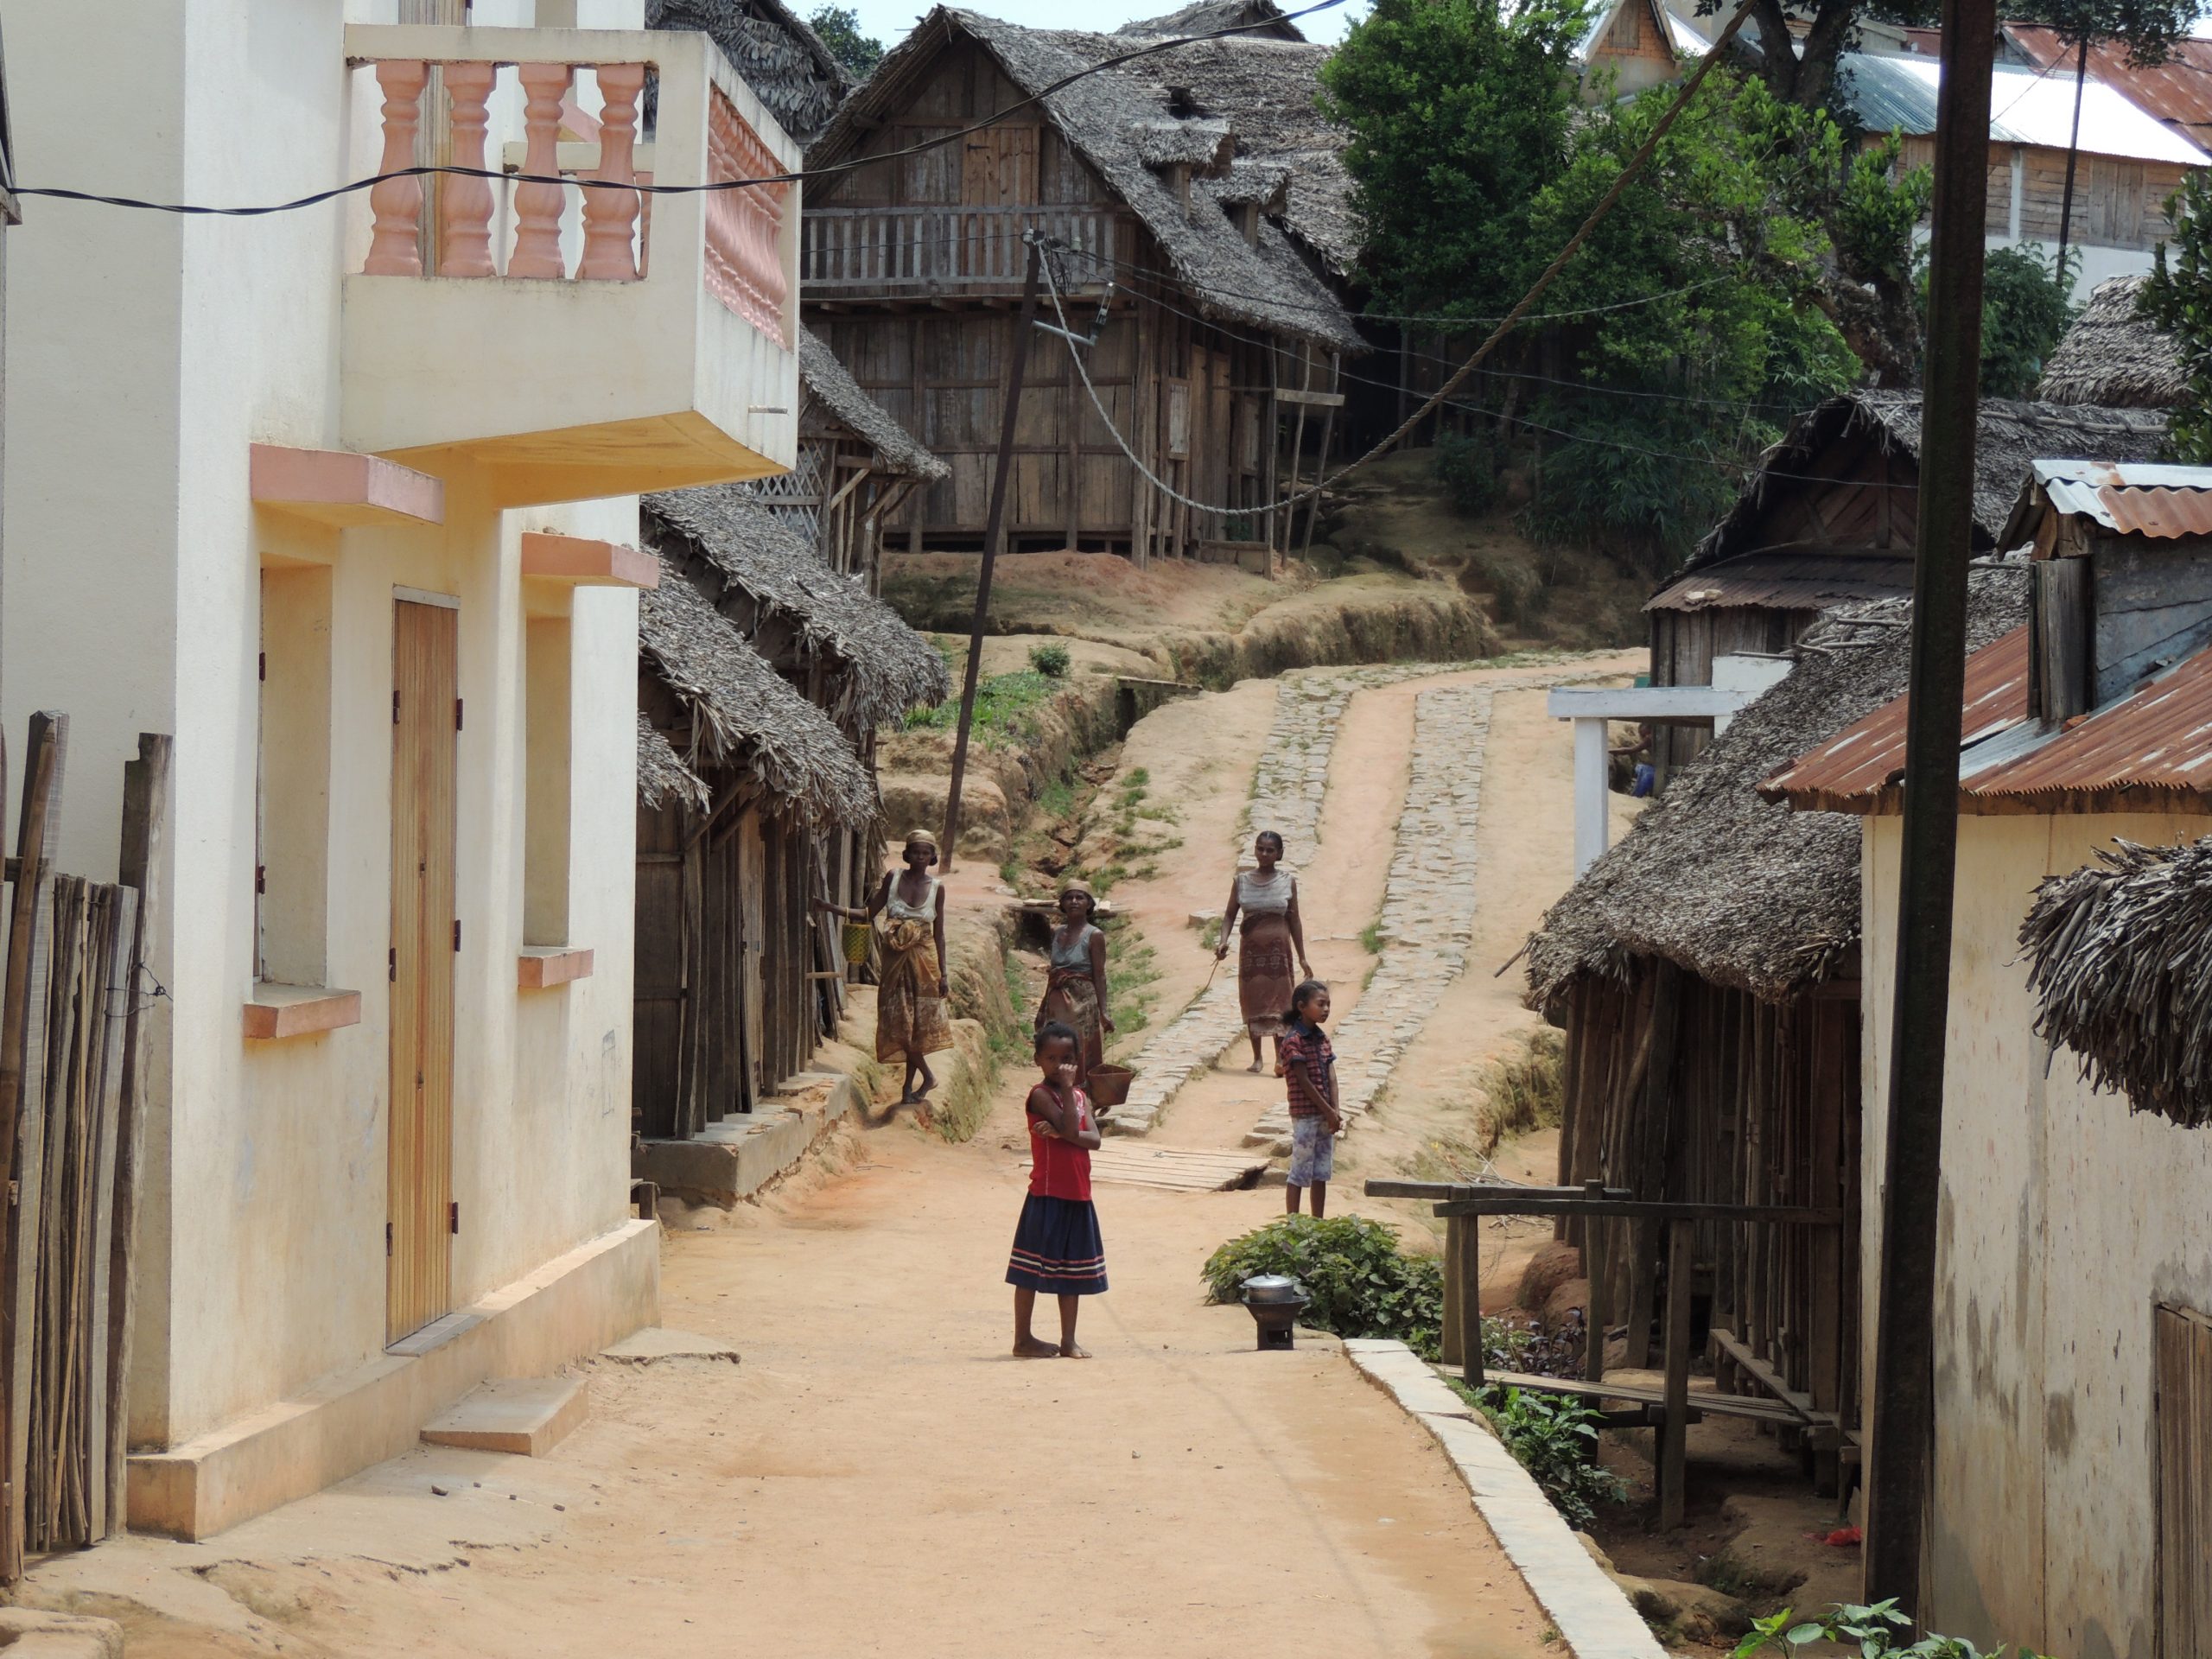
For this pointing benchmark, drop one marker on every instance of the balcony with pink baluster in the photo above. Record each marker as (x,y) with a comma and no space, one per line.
(577,339)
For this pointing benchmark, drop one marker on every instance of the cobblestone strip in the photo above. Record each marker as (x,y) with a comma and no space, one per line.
(1428,904)
(1287,790)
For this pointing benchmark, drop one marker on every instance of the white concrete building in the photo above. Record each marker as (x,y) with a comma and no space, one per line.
(343,497)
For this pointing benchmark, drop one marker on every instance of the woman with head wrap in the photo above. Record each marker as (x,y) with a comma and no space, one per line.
(910,993)
(1075,991)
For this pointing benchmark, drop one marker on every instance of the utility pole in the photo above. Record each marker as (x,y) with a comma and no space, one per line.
(1904,1393)
(994,533)
(2073,154)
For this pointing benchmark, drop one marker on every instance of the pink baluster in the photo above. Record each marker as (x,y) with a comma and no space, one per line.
(720,277)
(396,205)
(538,207)
(609,213)
(465,228)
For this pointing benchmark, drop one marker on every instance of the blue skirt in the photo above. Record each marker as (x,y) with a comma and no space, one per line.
(1056,1249)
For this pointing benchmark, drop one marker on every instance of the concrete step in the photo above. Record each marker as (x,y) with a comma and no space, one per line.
(656,1343)
(525,1415)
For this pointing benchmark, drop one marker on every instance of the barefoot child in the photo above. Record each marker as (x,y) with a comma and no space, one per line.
(1056,1249)
(1309,1069)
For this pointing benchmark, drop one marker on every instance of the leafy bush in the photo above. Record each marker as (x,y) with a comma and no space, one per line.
(2025,311)
(1876,1629)
(1361,1282)
(1051,661)
(1555,1437)
(1467,465)
(1002,701)
(1648,479)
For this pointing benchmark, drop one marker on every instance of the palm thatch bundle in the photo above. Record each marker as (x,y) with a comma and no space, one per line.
(2115,356)
(744,717)
(1739,891)
(831,386)
(2120,956)
(662,775)
(2008,436)
(1166,142)
(879,667)
(789,66)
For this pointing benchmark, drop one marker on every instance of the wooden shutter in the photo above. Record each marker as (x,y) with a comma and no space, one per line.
(2184,1344)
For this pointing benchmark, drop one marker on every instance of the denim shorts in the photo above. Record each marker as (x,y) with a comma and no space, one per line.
(1313,1151)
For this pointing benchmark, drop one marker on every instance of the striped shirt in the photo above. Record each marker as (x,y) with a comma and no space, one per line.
(1307,1062)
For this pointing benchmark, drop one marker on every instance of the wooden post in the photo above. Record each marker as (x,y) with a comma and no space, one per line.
(994,533)
(1449,1344)
(145,816)
(1674,1435)
(1321,462)
(1469,1296)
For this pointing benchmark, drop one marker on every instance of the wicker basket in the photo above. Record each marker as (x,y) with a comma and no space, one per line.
(1109,1085)
(858,936)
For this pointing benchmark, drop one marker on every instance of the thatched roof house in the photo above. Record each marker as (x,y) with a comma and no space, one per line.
(1715,878)
(1262,18)
(787,64)
(2114,357)
(827,383)
(2119,954)
(743,716)
(662,775)
(794,609)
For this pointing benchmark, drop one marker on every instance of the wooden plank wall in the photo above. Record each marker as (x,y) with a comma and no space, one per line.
(1761,1107)
(2117,203)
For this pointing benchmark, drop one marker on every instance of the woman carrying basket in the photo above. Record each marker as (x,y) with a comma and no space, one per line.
(1075,991)
(910,993)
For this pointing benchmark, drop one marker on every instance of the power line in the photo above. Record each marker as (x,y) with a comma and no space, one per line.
(319,197)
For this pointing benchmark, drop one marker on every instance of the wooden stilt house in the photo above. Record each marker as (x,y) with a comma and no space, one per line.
(856,466)
(742,783)
(1706,971)
(1217,328)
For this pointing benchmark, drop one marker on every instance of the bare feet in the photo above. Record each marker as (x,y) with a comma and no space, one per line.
(1072,1351)
(1254,1068)
(1034,1348)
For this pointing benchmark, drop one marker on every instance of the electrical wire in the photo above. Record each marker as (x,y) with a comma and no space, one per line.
(319,197)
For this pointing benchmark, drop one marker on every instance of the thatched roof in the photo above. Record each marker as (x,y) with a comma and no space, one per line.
(662,775)
(2010,435)
(2120,956)
(789,66)
(1100,116)
(744,716)
(1735,890)
(2113,357)
(1202,15)
(884,668)
(832,385)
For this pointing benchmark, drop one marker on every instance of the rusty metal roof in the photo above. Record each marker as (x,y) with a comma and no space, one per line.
(2130,497)
(2177,91)
(1783,580)
(2153,746)
(1859,769)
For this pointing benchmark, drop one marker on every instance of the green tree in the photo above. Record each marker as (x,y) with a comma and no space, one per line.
(840,29)
(2178,298)
(2025,311)
(1458,116)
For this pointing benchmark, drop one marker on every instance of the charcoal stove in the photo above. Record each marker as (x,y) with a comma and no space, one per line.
(1275,1303)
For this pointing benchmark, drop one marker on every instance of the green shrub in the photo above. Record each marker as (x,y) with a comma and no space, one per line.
(1555,1437)
(1467,464)
(1002,704)
(1051,661)
(1362,1284)
(1877,1629)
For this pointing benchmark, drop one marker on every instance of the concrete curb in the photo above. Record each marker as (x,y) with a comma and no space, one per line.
(1593,1617)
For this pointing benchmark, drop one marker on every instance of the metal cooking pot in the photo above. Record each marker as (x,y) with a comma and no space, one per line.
(1272,1288)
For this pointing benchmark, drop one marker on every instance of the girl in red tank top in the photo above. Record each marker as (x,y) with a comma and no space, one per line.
(1056,1248)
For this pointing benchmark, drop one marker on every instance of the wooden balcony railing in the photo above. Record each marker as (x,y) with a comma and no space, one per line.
(869,248)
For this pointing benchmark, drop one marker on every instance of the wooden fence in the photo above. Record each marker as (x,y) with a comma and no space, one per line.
(72,1136)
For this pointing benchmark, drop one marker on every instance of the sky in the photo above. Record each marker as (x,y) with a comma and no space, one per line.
(888,21)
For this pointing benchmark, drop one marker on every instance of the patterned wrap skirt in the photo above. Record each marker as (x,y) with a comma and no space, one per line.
(1071,998)
(909,1001)
(1264,980)
(1056,1249)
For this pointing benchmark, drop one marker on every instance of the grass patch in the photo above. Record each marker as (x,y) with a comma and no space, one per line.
(1371,937)
(1132,970)
(1003,703)
(1209,935)
(1521,1092)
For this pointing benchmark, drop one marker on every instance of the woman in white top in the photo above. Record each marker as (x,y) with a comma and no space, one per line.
(910,995)
(1267,896)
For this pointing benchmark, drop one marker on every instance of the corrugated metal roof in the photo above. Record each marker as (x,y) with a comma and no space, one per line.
(1786,582)
(1859,769)
(2026,107)
(2132,498)
(2177,91)
(2158,738)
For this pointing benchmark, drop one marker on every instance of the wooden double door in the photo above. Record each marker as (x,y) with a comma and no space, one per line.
(421,1218)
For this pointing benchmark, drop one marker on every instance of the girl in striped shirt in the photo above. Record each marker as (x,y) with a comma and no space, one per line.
(1308,1068)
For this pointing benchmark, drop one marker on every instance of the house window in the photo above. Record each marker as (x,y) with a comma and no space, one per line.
(546,799)
(292,832)
(2183,1345)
